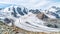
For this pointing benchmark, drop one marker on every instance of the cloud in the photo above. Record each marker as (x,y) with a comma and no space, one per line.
(32,4)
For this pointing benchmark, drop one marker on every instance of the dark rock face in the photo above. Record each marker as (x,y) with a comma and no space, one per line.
(14,12)
(41,16)
(24,10)
(27,22)
(56,15)
(52,25)
(34,11)
(6,20)
(19,11)
(8,9)
(58,11)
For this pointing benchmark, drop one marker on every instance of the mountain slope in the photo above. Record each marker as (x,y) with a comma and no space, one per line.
(26,19)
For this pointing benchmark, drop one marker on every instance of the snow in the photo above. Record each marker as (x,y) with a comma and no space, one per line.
(32,26)
(52,9)
(35,24)
(50,16)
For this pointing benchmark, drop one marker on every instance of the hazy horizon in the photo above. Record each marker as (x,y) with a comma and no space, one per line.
(33,4)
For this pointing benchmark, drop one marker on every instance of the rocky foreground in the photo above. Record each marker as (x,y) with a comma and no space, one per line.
(4,29)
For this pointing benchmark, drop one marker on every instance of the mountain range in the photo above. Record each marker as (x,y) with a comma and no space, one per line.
(26,18)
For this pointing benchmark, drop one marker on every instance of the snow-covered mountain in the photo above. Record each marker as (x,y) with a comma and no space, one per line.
(18,11)
(26,19)
(53,12)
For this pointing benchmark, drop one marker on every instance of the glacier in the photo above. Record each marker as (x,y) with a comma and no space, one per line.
(26,19)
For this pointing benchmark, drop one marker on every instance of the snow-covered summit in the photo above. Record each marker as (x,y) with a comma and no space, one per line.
(52,12)
(25,19)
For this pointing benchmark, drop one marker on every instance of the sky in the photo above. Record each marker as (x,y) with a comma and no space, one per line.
(4,5)
(33,4)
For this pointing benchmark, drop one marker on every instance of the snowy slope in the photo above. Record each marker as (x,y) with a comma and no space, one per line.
(22,18)
(53,12)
